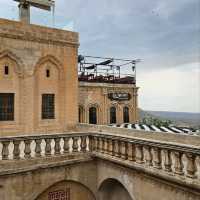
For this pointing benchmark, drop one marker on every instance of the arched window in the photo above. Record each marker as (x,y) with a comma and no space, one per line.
(81,115)
(92,115)
(126,114)
(113,118)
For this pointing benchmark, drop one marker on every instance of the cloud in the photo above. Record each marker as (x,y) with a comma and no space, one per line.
(175,89)
(163,33)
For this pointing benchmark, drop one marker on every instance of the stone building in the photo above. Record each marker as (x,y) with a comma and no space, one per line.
(106,94)
(38,78)
(48,155)
(97,105)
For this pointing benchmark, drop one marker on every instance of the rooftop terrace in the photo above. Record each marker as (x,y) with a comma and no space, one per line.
(106,70)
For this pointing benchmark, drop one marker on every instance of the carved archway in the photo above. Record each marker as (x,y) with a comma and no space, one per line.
(52,84)
(98,111)
(18,64)
(67,190)
(51,59)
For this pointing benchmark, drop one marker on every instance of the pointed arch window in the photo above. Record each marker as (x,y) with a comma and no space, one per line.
(93,115)
(113,117)
(47,73)
(6,69)
(126,114)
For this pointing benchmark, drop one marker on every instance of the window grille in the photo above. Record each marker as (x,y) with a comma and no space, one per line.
(6,106)
(48,107)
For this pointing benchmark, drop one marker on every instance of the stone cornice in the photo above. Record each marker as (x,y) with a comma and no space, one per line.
(20,31)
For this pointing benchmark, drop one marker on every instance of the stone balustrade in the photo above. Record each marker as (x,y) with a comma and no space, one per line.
(152,156)
(29,147)
(170,159)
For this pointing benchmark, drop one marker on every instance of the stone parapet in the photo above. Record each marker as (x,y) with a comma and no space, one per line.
(35,33)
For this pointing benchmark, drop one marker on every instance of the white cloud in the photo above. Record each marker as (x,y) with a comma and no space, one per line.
(175,89)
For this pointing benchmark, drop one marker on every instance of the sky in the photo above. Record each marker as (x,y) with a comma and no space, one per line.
(164,34)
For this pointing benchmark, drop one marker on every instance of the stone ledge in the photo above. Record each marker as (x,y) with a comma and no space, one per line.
(40,34)
(11,167)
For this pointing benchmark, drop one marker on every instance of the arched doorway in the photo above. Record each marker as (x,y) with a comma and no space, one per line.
(67,190)
(80,114)
(126,114)
(113,116)
(113,190)
(92,115)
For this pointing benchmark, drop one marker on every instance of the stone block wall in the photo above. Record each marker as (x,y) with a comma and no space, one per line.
(30,50)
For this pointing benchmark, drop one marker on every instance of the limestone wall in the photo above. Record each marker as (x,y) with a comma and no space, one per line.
(96,95)
(30,50)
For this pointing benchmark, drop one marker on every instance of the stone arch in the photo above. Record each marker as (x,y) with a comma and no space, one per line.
(98,109)
(70,188)
(19,68)
(131,112)
(113,189)
(49,58)
(116,105)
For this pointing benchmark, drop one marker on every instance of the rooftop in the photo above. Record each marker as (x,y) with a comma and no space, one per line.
(107,70)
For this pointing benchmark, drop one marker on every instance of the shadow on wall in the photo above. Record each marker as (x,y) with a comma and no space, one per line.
(113,190)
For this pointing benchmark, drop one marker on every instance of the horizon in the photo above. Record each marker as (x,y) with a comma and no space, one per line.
(162,34)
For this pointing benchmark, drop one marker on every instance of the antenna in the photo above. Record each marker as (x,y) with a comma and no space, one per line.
(24,8)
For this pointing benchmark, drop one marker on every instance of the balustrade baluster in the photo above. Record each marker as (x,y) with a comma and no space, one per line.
(191,167)
(75,144)
(83,144)
(66,144)
(57,146)
(124,150)
(178,163)
(101,145)
(167,160)
(148,155)
(91,143)
(119,148)
(139,153)
(113,147)
(98,144)
(38,147)
(95,143)
(5,151)
(27,149)
(157,157)
(16,151)
(131,151)
(48,147)
(106,150)
(110,146)
(116,148)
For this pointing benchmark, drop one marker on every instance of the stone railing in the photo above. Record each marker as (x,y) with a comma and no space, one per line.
(169,159)
(29,147)
(165,160)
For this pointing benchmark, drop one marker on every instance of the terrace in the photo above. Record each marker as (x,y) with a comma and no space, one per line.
(106,70)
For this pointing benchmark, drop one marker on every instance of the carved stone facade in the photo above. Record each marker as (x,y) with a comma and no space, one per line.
(29,51)
(104,96)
